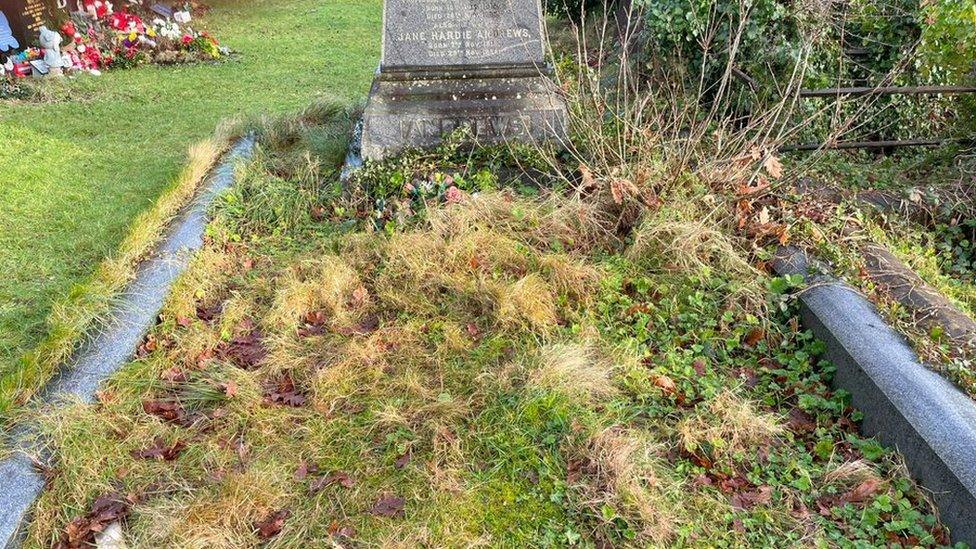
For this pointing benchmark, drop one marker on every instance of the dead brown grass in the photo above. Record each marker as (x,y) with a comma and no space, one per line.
(575,371)
(627,467)
(728,426)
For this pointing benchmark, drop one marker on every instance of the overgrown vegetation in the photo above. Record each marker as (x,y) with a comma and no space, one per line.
(526,346)
(504,366)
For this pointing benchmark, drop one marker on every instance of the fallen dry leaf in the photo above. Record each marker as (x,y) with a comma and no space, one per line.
(754,337)
(665,383)
(338,477)
(621,189)
(272,524)
(160,451)
(749,499)
(801,421)
(864,491)
(230,388)
(389,506)
(589,182)
(359,296)
(285,393)
(337,530)
(106,509)
(245,351)
(773,167)
(167,410)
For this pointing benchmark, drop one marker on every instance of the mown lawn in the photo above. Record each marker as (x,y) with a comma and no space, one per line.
(73,175)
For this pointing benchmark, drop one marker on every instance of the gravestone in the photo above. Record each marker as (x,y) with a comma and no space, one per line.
(25,18)
(448,64)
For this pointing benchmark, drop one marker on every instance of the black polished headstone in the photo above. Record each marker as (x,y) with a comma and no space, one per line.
(448,64)
(26,18)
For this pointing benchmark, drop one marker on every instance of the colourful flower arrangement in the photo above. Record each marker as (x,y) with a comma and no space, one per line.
(98,37)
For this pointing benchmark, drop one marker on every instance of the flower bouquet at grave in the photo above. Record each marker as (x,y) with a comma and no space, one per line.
(132,36)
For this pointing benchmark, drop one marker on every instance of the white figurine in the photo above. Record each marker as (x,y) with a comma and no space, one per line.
(51,44)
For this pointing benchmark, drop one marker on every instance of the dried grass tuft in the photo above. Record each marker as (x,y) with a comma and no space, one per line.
(527,303)
(729,425)
(626,466)
(575,371)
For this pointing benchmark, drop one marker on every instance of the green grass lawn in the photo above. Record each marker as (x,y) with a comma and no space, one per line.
(73,175)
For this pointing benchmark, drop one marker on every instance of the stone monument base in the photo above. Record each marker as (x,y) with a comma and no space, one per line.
(498,104)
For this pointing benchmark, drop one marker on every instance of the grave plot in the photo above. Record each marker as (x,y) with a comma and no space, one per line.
(548,308)
(458,358)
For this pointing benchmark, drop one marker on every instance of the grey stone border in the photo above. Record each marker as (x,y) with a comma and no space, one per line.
(905,405)
(133,314)
(928,307)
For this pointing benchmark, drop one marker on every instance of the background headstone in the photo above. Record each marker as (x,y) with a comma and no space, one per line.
(27,16)
(453,63)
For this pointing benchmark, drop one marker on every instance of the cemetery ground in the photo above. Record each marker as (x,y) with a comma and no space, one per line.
(77,169)
(513,346)
(448,354)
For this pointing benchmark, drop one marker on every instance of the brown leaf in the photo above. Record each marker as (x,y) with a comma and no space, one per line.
(621,189)
(864,491)
(369,324)
(230,388)
(754,337)
(359,296)
(246,351)
(318,212)
(700,366)
(747,500)
(285,393)
(389,506)
(160,451)
(209,313)
(773,167)
(338,477)
(167,410)
(304,469)
(337,530)
(589,182)
(315,324)
(104,397)
(402,461)
(184,321)
(147,346)
(173,375)
(801,421)
(106,509)
(665,383)
(272,524)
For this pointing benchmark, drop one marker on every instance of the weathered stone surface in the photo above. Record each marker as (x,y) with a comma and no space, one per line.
(431,33)
(133,315)
(927,306)
(905,405)
(449,64)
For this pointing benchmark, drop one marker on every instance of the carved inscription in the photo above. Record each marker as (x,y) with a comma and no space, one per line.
(455,32)
(26,19)
(489,128)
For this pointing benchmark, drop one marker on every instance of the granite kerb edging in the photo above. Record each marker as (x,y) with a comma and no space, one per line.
(905,405)
(132,315)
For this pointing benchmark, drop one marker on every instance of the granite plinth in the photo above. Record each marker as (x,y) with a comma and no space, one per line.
(409,109)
